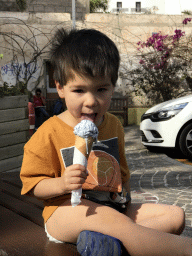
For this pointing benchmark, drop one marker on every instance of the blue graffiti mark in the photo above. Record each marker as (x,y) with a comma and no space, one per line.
(10,70)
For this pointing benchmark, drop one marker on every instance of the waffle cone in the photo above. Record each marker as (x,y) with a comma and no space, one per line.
(80,144)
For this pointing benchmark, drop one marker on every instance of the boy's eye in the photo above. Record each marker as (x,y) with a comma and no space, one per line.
(102,89)
(78,91)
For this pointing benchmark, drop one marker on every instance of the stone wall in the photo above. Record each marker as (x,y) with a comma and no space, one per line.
(59,6)
(48,6)
(127,29)
(8,6)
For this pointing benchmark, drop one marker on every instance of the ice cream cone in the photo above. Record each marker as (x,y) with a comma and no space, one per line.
(86,133)
(84,145)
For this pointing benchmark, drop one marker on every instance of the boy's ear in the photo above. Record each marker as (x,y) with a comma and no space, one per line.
(60,90)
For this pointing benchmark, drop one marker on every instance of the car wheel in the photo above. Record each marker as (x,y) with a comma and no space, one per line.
(185,141)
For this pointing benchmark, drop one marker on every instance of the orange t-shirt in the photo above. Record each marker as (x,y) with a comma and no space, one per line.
(50,151)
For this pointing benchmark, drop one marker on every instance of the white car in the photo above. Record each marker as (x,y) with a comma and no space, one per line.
(169,124)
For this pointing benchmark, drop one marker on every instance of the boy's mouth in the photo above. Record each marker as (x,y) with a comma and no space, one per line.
(90,117)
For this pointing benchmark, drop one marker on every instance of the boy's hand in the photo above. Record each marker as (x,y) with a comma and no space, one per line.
(73,178)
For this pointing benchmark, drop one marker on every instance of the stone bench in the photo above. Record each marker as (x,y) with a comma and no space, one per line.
(22,228)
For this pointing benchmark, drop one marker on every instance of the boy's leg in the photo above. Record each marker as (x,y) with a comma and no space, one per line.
(166,218)
(66,223)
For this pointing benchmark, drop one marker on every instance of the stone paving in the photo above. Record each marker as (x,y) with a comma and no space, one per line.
(157,178)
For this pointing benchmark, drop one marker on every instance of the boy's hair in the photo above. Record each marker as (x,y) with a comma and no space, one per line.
(87,52)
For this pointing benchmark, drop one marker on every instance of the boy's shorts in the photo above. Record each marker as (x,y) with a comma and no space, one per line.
(117,201)
(51,239)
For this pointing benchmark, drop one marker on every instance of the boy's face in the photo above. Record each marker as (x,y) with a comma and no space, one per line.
(86,98)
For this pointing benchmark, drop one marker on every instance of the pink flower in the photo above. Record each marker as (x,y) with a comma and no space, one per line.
(185,21)
(141,61)
(157,66)
(178,34)
(159,45)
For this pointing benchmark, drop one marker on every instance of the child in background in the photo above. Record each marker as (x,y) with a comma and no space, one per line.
(39,105)
(86,64)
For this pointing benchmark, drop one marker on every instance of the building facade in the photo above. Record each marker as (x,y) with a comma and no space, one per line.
(166,7)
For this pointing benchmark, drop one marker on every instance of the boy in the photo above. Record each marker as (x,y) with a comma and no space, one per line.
(86,64)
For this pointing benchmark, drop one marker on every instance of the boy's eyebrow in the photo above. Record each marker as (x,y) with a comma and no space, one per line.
(82,86)
(107,84)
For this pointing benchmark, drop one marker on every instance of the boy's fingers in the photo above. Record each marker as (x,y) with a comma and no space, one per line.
(79,174)
(77,180)
(79,167)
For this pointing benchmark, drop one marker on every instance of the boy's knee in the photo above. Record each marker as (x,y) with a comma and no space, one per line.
(177,212)
(177,215)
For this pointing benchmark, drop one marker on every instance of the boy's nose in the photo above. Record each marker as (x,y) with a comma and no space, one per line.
(90,100)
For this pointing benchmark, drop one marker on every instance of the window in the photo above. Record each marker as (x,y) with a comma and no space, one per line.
(119,6)
(51,88)
(138,6)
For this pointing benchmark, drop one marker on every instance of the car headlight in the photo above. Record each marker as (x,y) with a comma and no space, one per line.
(167,113)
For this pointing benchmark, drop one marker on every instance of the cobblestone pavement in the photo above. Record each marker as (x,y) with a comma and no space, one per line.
(157,178)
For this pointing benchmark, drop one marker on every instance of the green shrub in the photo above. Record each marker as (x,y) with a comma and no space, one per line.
(19,89)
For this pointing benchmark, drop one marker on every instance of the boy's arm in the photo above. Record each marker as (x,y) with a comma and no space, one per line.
(72,179)
(47,188)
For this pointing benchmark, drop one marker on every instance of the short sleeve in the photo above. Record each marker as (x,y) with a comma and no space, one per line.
(40,161)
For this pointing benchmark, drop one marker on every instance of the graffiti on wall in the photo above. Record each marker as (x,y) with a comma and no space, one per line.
(8,73)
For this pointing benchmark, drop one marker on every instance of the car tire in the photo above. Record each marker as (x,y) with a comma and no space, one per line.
(185,141)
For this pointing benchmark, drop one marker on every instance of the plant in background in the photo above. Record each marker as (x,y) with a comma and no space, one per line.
(7,90)
(95,5)
(160,49)
(188,12)
(162,66)
(22,5)
(185,21)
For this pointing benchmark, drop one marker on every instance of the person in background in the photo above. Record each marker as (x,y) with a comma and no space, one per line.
(31,113)
(58,107)
(39,105)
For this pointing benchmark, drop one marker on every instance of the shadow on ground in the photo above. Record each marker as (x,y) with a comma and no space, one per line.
(172,153)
